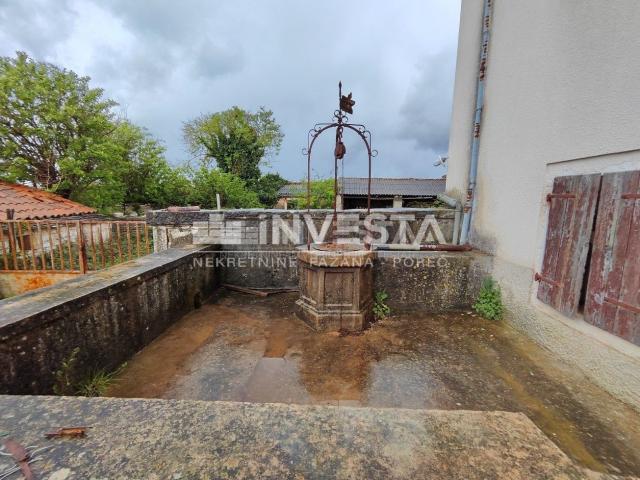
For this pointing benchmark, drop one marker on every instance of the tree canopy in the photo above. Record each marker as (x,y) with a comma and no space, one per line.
(59,133)
(54,128)
(237,140)
(322,194)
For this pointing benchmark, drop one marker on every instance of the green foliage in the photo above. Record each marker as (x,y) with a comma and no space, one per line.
(235,139)
(322,195)
(380,308)
(489,302)
(97,384)
(267,187)
(64,376)
(177,187)
(233,190)
(59,134)
(54,128)
(94,385)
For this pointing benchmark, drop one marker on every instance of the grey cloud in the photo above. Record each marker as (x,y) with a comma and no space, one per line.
(166,62)
(426,112)
(38,26)
(214,59)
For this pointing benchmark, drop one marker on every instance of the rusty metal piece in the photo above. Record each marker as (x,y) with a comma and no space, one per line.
(539,278)
(347,103)
(20,456)
(70,432)
(631,196)
(25,244)
(565,196)
(624,306)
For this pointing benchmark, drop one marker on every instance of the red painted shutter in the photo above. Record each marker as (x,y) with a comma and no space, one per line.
(572,207)
(613,295)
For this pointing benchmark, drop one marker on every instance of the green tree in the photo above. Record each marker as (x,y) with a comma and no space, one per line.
(267,187)
(142,166)
(177,187)
(232,189)
(322,194)
(59,134)
(55,130)
(235,139)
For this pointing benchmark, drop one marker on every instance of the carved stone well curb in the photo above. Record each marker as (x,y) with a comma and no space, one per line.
(336,289)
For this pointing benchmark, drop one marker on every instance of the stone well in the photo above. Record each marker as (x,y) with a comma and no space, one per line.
(336,287)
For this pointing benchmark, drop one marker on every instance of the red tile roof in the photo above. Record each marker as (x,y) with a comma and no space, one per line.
(30,203)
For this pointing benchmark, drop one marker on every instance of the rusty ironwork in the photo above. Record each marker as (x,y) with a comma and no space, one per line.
(70,246)
(340,123)
(562,196)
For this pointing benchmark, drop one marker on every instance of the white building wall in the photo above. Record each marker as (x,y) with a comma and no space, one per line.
(562,98)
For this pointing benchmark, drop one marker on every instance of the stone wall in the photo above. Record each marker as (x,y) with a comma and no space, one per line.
(108,315)
(251,254)
(430,281)
(262,227)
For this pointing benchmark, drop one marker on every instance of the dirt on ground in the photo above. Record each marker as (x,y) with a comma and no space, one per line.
(243,348)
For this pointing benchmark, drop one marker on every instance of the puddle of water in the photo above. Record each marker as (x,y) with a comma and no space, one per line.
(248,349)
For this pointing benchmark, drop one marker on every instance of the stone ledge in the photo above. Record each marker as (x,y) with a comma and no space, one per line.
(36,302)
(164,439)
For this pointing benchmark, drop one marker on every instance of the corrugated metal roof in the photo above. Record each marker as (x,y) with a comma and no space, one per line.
(30,203)
(407,187)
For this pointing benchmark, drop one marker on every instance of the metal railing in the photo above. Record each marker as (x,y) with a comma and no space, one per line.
(71,246)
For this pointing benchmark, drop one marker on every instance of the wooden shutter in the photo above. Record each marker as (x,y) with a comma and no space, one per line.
(572,207)
(613,295)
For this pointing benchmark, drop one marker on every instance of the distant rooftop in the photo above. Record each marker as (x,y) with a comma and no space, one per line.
(30,203)
(381,187)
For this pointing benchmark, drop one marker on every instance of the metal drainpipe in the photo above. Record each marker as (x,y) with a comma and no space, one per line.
(453,203)
(471,201)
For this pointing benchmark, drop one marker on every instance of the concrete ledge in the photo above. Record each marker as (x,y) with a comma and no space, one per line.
(161,439)
(108,315)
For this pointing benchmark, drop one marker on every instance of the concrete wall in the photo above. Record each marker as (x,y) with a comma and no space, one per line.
(109,315)
(430,281)
(561,89)
(562,98)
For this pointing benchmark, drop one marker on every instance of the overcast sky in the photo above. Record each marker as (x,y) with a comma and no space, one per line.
(167,61)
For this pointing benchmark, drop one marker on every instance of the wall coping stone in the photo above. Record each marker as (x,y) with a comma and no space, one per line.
(15,310)
(166,218)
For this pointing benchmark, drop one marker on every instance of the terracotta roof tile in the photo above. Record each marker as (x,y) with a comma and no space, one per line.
(30,203)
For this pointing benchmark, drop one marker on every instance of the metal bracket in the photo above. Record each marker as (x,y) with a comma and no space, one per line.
(539,278)
(622,305)
(567,196)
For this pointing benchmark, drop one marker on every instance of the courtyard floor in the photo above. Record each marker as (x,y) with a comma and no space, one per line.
(251,349)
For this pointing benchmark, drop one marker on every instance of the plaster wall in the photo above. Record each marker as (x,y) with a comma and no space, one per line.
(561,87)
(562,98)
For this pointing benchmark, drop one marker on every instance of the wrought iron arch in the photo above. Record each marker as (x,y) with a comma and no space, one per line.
(345,104)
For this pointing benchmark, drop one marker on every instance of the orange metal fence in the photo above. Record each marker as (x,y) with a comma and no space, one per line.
(71,246)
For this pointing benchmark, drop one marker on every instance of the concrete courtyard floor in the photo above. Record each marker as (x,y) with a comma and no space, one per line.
(249,349)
